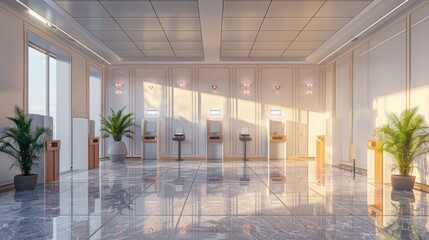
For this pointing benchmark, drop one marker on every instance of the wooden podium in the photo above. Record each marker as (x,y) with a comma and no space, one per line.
(52,160)
(93,152)
(376,166)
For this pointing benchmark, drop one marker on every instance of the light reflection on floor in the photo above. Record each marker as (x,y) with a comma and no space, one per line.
(213,200)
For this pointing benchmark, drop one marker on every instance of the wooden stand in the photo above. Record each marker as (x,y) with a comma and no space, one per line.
(52,160)
(276,142)
(320,149)
(377,164)
(93,152)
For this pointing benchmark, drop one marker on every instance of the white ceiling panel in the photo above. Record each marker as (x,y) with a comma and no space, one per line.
(314,36)
(242,24)
(158,53)
(128,53)
(189,53)
(180,23)
(326,23)
(266,53)
(111,36)
(234,53)
(284,23)
(149,24)
(252,9)
(270,45)
(305,45)
(239,36)
(345,9)
(183,36)
(121,45)
(236,45)
(297,53)
(276,36)
(176,9)
(99,23)
(84,9)
(186,45)
(293,9)
(154,45)
(147,36)
(129,8)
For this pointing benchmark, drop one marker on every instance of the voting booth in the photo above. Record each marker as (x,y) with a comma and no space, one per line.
(150,139)
(214,140)
(276,139)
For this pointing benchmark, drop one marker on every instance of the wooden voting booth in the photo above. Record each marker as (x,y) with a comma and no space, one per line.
(149,138)
(320,149)
(375,174)
(375,162)
(52,160)
(214,140)
(320,159)
(93,152)
(276,139)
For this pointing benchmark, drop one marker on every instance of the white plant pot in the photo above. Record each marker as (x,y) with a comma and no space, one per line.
(117,151)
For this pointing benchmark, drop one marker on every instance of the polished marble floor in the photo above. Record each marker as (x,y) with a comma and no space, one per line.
(213,200)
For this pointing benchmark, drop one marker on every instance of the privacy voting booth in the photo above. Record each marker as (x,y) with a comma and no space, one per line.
(276,139)
(214,140)
(150,138)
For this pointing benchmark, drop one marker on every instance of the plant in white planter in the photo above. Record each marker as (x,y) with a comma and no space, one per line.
(117,125)
(25,144)
(405,137)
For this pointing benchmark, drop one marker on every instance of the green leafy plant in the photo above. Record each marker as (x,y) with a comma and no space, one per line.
(23,141)
(405,136)
(117,125)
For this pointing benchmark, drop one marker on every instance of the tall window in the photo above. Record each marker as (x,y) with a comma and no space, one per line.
(42,84)
(95,98)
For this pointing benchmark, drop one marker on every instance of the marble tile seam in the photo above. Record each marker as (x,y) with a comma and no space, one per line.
(186,200)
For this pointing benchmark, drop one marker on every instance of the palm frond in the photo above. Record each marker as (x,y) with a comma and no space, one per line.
(405,136)
(117,125)
(23,142)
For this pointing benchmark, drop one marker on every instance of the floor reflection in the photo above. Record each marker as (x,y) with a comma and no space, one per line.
(213,200)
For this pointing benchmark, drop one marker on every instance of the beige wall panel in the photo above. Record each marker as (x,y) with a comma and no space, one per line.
(12,52)
(151,93)
(79,87)
(246,110)
(282,99)
(210,99)
(183,106)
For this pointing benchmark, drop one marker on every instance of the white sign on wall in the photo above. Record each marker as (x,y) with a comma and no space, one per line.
(215,113)
(275,112)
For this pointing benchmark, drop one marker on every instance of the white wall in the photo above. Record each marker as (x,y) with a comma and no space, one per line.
(419,94)
(379,83)
(158,87)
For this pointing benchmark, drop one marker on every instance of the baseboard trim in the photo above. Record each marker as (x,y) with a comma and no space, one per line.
(350,168)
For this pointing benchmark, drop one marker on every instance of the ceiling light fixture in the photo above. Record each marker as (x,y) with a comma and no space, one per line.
(362,32)
(45,21)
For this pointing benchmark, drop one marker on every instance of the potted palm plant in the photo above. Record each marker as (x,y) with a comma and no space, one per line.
(24,143)
(117,125)
(405,137)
